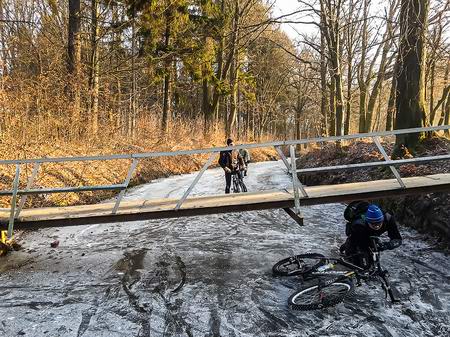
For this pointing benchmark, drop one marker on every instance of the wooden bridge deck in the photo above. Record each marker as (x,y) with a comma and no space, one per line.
(164,208)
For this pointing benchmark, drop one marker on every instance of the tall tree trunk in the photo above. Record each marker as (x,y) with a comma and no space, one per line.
(437,39)
(432,82)
(410,77)
(350,41)
(131,130)
(226,64)
(384,62)
(348,109)
(74,57)
(323,85)
(433,109)
(339,99)
(362,69)
(332,110)
(445,106)
(391,105)
(447,115)
(330,13)
(94,69)
(206,109)
(301,102)
(4,53)
(234,96)
(167,78)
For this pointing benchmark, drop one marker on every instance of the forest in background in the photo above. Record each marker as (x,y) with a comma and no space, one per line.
(148,72)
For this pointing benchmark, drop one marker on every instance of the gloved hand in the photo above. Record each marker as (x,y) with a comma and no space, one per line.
(387,245)
(381,246)
(227,170)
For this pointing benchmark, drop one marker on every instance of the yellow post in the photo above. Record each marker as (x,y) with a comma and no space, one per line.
(3,243)
(4,236)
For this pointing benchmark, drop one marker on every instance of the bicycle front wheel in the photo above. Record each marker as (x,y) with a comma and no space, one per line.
(298,264)
(313,298)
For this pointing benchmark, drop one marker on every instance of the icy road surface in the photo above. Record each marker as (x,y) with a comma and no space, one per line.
(209,276)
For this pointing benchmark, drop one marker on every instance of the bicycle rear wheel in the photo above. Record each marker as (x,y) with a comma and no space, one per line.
(243,187)
(298,264)
(311,298)
(236,187)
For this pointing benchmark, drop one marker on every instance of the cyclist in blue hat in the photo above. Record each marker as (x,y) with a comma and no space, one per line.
(372,222)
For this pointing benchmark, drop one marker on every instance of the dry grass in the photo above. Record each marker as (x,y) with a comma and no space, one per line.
(32,142)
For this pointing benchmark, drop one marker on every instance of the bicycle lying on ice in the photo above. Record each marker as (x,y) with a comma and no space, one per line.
(332,286)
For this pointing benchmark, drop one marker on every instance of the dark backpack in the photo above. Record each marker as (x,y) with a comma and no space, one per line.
(355,209)
(223,158)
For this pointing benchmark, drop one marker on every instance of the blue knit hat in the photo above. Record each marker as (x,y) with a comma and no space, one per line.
(374,214)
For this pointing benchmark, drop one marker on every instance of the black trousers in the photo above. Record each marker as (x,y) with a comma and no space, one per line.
(227,182)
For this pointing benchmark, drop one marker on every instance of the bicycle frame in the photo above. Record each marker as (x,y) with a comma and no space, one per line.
(237,181)
(356,271)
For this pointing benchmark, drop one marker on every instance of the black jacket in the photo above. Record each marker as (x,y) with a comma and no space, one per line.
(359,234)
(231,159)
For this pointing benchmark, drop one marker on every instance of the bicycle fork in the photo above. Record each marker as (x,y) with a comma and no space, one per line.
(387,288)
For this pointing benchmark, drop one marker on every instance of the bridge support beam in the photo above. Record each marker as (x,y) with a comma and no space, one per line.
(297,218)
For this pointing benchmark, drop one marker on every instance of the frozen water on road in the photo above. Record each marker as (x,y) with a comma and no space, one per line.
(209,275)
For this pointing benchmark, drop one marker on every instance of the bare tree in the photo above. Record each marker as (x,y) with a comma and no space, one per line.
(74,55)
(94,69)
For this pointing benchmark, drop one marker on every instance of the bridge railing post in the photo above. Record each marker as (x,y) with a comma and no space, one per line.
(133,166)
(380,147)
(297,185)
(30,182)
(283,158)
(197,178)
(13,202)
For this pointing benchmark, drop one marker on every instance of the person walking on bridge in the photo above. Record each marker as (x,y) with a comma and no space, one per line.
(366,220)
(246,158)
(232,163)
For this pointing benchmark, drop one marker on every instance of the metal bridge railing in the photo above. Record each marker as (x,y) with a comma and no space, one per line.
(291,166)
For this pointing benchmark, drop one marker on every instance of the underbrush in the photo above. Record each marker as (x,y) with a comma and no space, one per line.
(366,151)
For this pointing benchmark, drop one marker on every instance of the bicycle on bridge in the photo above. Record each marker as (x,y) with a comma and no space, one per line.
(331,286)
(238,182)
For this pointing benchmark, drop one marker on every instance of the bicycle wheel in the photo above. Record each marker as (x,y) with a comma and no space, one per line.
(243,187)
(236,187)
(312,298)
(298,264)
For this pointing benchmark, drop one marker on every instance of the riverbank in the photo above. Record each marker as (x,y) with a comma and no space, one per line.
(428,213)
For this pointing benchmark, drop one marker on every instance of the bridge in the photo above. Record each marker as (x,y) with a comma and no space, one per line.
(289,199)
